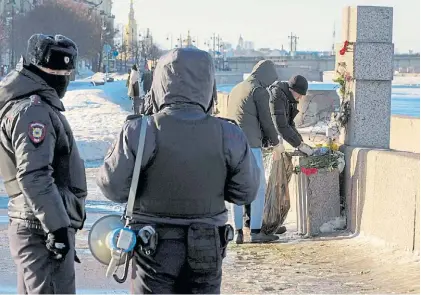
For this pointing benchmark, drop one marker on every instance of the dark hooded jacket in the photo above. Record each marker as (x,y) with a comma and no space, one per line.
(146,81)
(45,179)
(248,105)
(182,92)
(284,109)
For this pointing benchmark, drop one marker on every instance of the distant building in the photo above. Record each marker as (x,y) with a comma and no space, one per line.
(240,45)
(248,45)
(227,46)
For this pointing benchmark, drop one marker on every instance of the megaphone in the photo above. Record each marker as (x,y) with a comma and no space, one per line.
(100,237)
(110,242)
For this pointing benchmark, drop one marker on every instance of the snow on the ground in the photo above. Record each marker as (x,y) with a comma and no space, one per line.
(101,76)
(318,128)
(96,115)
(339,223)
(83,73)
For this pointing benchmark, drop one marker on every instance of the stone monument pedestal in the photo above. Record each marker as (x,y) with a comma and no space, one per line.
(314,198)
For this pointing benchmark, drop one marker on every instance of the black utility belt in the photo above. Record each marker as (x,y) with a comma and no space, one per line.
(195,235)
(168,232)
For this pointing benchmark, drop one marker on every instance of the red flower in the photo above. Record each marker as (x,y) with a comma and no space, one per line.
(308,171)
(344,48)
(348,77)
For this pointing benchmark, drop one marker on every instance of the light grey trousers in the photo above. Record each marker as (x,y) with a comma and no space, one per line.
(37,272)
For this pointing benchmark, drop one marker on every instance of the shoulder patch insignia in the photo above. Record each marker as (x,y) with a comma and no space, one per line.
(37,132)
(35,99)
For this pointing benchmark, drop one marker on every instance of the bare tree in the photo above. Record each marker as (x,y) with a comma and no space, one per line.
(73,19)
(4,36)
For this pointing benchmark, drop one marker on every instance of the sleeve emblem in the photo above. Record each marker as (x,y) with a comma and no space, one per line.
(37,132)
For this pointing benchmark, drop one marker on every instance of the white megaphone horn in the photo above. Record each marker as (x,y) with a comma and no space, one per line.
(110,242)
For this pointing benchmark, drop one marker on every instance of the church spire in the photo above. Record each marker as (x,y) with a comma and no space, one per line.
(131,13)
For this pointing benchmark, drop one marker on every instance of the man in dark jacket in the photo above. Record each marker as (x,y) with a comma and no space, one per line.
(248,105)
(146,80)
(285,97)
(43,173)
(128,80)
(192,163)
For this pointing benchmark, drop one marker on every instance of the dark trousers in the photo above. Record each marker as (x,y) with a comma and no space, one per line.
(137,105)
(173,272)
(37,272)
(248,212)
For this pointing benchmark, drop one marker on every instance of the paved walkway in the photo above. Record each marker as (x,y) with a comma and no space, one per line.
(325,266)
(329,265)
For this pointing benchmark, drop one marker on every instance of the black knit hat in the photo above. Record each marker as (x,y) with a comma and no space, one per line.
(53,52)
(299,84)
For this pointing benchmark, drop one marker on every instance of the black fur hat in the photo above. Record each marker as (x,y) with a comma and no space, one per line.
(53,52)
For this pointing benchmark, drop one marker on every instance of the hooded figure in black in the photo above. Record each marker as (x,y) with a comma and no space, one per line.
(43,173)
(192,163)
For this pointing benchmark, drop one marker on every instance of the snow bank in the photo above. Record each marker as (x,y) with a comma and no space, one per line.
(96,115)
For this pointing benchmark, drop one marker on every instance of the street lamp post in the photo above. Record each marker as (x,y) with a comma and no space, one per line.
(12,32)
(103,28)
(170,39)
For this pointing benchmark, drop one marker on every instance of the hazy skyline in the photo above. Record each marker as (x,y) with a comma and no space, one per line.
(265,22)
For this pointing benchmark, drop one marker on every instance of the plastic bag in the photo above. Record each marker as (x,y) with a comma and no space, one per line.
(277,201)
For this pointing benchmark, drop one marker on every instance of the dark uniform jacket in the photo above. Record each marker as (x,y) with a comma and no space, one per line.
(43,173)
(248,105)
(186,174)
(284,110)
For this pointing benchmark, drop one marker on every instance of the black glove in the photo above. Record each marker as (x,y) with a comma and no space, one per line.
(77,260)
(58,243)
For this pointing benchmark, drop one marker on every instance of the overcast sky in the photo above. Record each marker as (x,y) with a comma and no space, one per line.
(265,22)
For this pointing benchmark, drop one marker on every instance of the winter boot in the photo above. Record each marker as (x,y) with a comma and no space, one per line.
(281,230)
(239,237)
(262,238)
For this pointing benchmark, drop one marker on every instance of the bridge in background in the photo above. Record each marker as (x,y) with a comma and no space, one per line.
(406,63)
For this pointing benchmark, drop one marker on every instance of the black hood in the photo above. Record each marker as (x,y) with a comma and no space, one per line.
(285,89)
(184,76)
(264,72)
(22,83)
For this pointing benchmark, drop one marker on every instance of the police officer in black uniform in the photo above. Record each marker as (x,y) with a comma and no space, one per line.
(192,163)
(43,173)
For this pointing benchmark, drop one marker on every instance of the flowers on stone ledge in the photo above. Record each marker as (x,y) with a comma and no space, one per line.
(326,158)
(309,171)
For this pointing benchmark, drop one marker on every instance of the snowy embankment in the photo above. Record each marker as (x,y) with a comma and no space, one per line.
(96,115)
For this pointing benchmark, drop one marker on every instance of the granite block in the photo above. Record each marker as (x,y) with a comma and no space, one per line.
(374,24)
(373,61)
(367,24)
(317,199)
(369,124)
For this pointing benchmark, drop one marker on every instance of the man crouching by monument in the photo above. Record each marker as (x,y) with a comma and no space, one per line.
(192,163)
(284,99)
(43,173)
